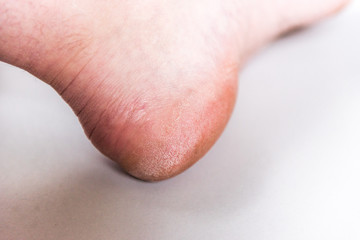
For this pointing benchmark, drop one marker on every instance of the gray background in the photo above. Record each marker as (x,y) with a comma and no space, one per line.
(287,166)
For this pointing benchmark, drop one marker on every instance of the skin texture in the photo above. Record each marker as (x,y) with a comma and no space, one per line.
(152,82)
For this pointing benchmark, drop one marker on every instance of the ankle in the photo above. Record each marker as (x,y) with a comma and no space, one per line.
(35,36)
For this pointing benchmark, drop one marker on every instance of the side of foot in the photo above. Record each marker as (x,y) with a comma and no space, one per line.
(153,83)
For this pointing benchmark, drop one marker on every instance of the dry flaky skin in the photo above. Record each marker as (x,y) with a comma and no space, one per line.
(166,142)
(152,82)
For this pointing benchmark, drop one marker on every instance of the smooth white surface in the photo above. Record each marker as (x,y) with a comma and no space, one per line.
(287,166)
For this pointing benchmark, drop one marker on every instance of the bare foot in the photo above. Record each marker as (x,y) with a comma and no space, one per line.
(152,82)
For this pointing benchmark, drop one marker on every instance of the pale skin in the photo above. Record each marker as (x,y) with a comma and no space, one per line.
(153,82)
